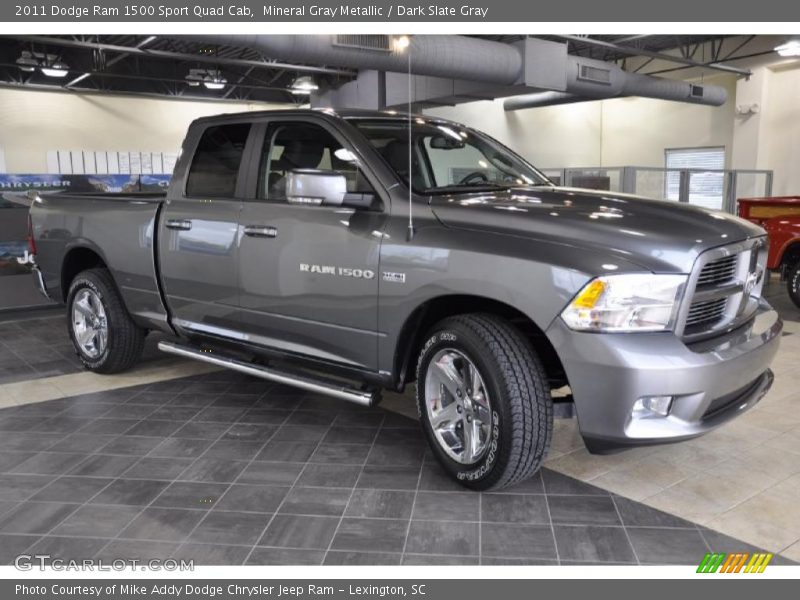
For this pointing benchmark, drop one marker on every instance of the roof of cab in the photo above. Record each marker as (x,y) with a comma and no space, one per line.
(347,113)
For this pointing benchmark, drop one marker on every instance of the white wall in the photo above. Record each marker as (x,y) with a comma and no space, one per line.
(33,122)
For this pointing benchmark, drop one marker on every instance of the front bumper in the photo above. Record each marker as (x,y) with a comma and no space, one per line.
(711,381)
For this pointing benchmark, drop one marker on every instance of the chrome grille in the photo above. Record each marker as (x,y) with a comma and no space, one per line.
(718,271)
(706,314)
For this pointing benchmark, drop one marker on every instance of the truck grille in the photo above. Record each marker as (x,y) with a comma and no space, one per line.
(726,290)
(718,271)
(706,314)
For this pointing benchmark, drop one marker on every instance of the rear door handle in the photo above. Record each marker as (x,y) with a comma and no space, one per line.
(264,231)
(182,224)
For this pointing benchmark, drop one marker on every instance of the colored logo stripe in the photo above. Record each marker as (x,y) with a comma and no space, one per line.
(736,562)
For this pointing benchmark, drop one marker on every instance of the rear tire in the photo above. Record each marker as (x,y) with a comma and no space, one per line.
(105,337)
(793,283)
(509,399)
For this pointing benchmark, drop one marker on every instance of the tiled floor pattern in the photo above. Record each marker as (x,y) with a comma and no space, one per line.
(40,347)
(229,470)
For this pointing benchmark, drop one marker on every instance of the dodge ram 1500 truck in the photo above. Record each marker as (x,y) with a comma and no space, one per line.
(351,252)
(780,217)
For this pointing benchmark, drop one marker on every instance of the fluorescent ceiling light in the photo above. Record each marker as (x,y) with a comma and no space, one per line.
(303,85)
(213,84)
(55,71)
(401,43)
(790,48)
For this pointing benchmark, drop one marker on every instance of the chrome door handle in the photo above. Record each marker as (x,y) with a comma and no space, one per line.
(182,224)
(264,231)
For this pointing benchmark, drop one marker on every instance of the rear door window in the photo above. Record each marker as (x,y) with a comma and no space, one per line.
(216,162)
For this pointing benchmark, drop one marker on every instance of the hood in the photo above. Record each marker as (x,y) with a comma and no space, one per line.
(658,235)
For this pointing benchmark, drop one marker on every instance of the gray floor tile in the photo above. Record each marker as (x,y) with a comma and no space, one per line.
(282,451)
(67,548)
(154,427)
(271,473)
(158,468)
(259,416)
(635,514)
(341,454)
(72,489)
(500,561)
(174,447)
(514,508)
(519,541)
(434,479)
(285,556)
(590,543)
(397,455)
(350,435)
(583,510)
(62,425)
(233,449)
(20,487)
(174,413)
(130,411)
(252,498)
(447,506)
(371,535)
(668,546)
(109,426)
(426,560)
(49,463)
(9,460)
(130,492)
(532,485)
(104,465)
(216,470)
(35,517)
(385,504)
(361,558)
(81,442)
(206,431)
(212,554)
(319,418)
(388,478)
(97,521)
(291,531)
(20,441)
(237,528)
(250,432)
(438,537)
(220,414)
(184,494)
(359,419)
(164,524)
(12,546)
(138,550)
(300,433)
(329,476)
(328,502)
(131,444)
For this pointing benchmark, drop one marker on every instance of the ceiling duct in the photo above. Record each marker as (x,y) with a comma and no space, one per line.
(447,56)
(589,79)
(456,57)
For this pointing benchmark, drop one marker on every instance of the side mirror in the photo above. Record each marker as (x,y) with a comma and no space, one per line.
(317,187)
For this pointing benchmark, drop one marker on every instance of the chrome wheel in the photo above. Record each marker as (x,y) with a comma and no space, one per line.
(458,406)
(89,323)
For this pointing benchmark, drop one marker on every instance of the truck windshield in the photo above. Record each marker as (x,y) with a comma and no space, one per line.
(446,157)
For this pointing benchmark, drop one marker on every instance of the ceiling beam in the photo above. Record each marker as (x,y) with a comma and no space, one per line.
(169,55)
(111,62)
(657,55)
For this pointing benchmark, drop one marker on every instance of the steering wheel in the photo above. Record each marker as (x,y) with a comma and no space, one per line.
(472,177)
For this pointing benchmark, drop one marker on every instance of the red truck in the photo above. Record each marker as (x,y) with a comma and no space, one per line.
(780,216)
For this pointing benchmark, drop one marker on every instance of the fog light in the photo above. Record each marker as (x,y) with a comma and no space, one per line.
(651,406)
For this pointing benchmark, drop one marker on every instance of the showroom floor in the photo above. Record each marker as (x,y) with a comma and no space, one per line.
(226,470)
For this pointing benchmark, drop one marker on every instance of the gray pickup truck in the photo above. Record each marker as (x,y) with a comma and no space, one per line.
(351,252)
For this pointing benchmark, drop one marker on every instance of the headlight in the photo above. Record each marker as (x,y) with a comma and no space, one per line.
(635,302)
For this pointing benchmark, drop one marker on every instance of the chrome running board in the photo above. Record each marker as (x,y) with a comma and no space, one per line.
(328,388)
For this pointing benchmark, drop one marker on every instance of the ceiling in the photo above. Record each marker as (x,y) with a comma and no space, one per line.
(158,65)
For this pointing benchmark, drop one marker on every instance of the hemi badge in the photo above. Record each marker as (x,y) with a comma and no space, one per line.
(394,277)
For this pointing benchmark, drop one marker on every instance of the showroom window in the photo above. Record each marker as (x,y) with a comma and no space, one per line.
(706,188)
(216,161)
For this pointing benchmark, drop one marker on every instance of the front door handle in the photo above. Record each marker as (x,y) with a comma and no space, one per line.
(182,224)
(264,231)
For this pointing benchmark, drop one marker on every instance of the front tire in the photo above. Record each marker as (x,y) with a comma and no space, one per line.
(484,401)
(105,337)
(793,283)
